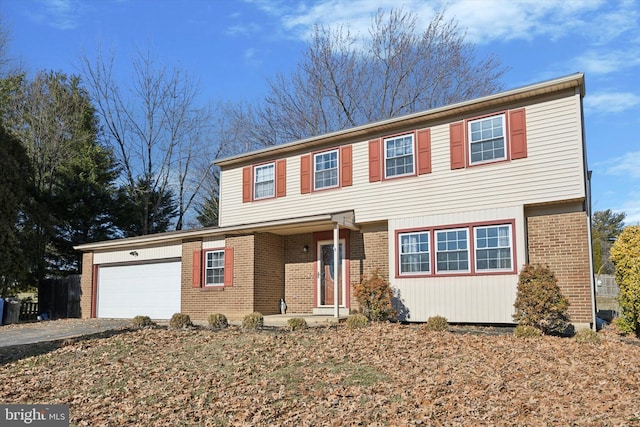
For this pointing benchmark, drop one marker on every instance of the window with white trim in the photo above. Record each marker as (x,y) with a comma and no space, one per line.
(214,268)
(414,253)
(398,156)
(452,251)
(487,139)
(325,170)
(264,181)
(493,248)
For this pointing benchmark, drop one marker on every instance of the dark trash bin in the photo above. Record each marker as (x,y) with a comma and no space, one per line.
(1,310)
(11,311)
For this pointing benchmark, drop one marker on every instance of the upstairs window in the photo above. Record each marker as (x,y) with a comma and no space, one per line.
(398,156)
(214,268)
(487,139)
(325,170)
(264,181)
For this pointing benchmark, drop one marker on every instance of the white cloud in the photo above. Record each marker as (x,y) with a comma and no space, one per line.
(631,206)
(251,57)
(484,20)
(604,62)
(62,14)
(612,102)
(627,165)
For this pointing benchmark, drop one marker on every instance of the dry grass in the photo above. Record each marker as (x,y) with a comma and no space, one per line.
(384,374)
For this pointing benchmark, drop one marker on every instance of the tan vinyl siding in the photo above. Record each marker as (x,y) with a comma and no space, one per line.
(143,254)
(553,171)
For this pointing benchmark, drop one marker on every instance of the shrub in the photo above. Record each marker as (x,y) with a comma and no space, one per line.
(218,321)
(296,323)
(625,255)
(587,336)
(180,321)
(356,321)
(436,324)
(539,302)
(524,331)
(254,320)
(374,297)
(143,322)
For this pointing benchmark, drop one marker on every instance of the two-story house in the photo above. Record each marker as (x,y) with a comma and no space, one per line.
(448,204)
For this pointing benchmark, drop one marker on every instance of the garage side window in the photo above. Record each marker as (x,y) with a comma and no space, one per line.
(214,268)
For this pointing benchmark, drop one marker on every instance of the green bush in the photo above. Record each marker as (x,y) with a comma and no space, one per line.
(539,302)
(296,323)
(524,331)
(374,297)
(356,321)
(625,255)
(254,320)
(587,336)
(218,321)
(143,322)
(180,321)
(436,324)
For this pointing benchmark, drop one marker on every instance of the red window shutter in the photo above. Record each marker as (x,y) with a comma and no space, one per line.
(228,266)
(281,178)
(196,272)
(375,163)
(424,151)
(305,174)
(518,133)
(346,176)
(246,184)
(456,140)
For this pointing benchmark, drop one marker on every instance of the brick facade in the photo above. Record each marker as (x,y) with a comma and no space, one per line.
(86,285)
(232,301)
(299,274)
(369,251)
(560,241)
(269,282)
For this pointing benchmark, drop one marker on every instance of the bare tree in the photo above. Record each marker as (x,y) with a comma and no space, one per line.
(343,81)
(159,134)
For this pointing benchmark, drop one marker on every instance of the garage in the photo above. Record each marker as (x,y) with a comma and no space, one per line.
(151,289)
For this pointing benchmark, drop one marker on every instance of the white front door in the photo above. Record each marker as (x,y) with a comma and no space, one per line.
(325,275)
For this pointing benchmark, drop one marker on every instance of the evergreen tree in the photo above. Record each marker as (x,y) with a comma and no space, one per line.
(15,190)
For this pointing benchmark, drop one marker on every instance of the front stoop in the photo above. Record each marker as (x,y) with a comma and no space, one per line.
(312,320)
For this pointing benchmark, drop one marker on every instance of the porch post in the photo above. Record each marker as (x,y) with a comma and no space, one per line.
(336,270)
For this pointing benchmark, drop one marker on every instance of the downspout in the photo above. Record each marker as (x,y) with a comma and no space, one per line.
(336,278)
(587,189)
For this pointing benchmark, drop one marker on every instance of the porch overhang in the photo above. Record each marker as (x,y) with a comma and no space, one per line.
(288,226)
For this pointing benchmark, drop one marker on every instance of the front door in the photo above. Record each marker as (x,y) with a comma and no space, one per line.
(325,274)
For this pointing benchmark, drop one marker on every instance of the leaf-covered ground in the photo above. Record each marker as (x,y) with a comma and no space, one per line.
(385,374)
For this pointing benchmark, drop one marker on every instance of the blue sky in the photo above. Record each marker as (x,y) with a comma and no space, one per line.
(232,46)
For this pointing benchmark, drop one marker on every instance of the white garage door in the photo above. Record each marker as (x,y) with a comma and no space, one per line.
(126,291)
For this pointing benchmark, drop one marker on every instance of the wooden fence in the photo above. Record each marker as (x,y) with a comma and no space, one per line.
(29,311)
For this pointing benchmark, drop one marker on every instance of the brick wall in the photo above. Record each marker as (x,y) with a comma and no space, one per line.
(232,301)
(269,273)
(369,251)
(561,242)
(86,285)
(299,274)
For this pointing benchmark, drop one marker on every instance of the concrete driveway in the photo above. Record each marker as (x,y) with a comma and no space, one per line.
(53,330)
